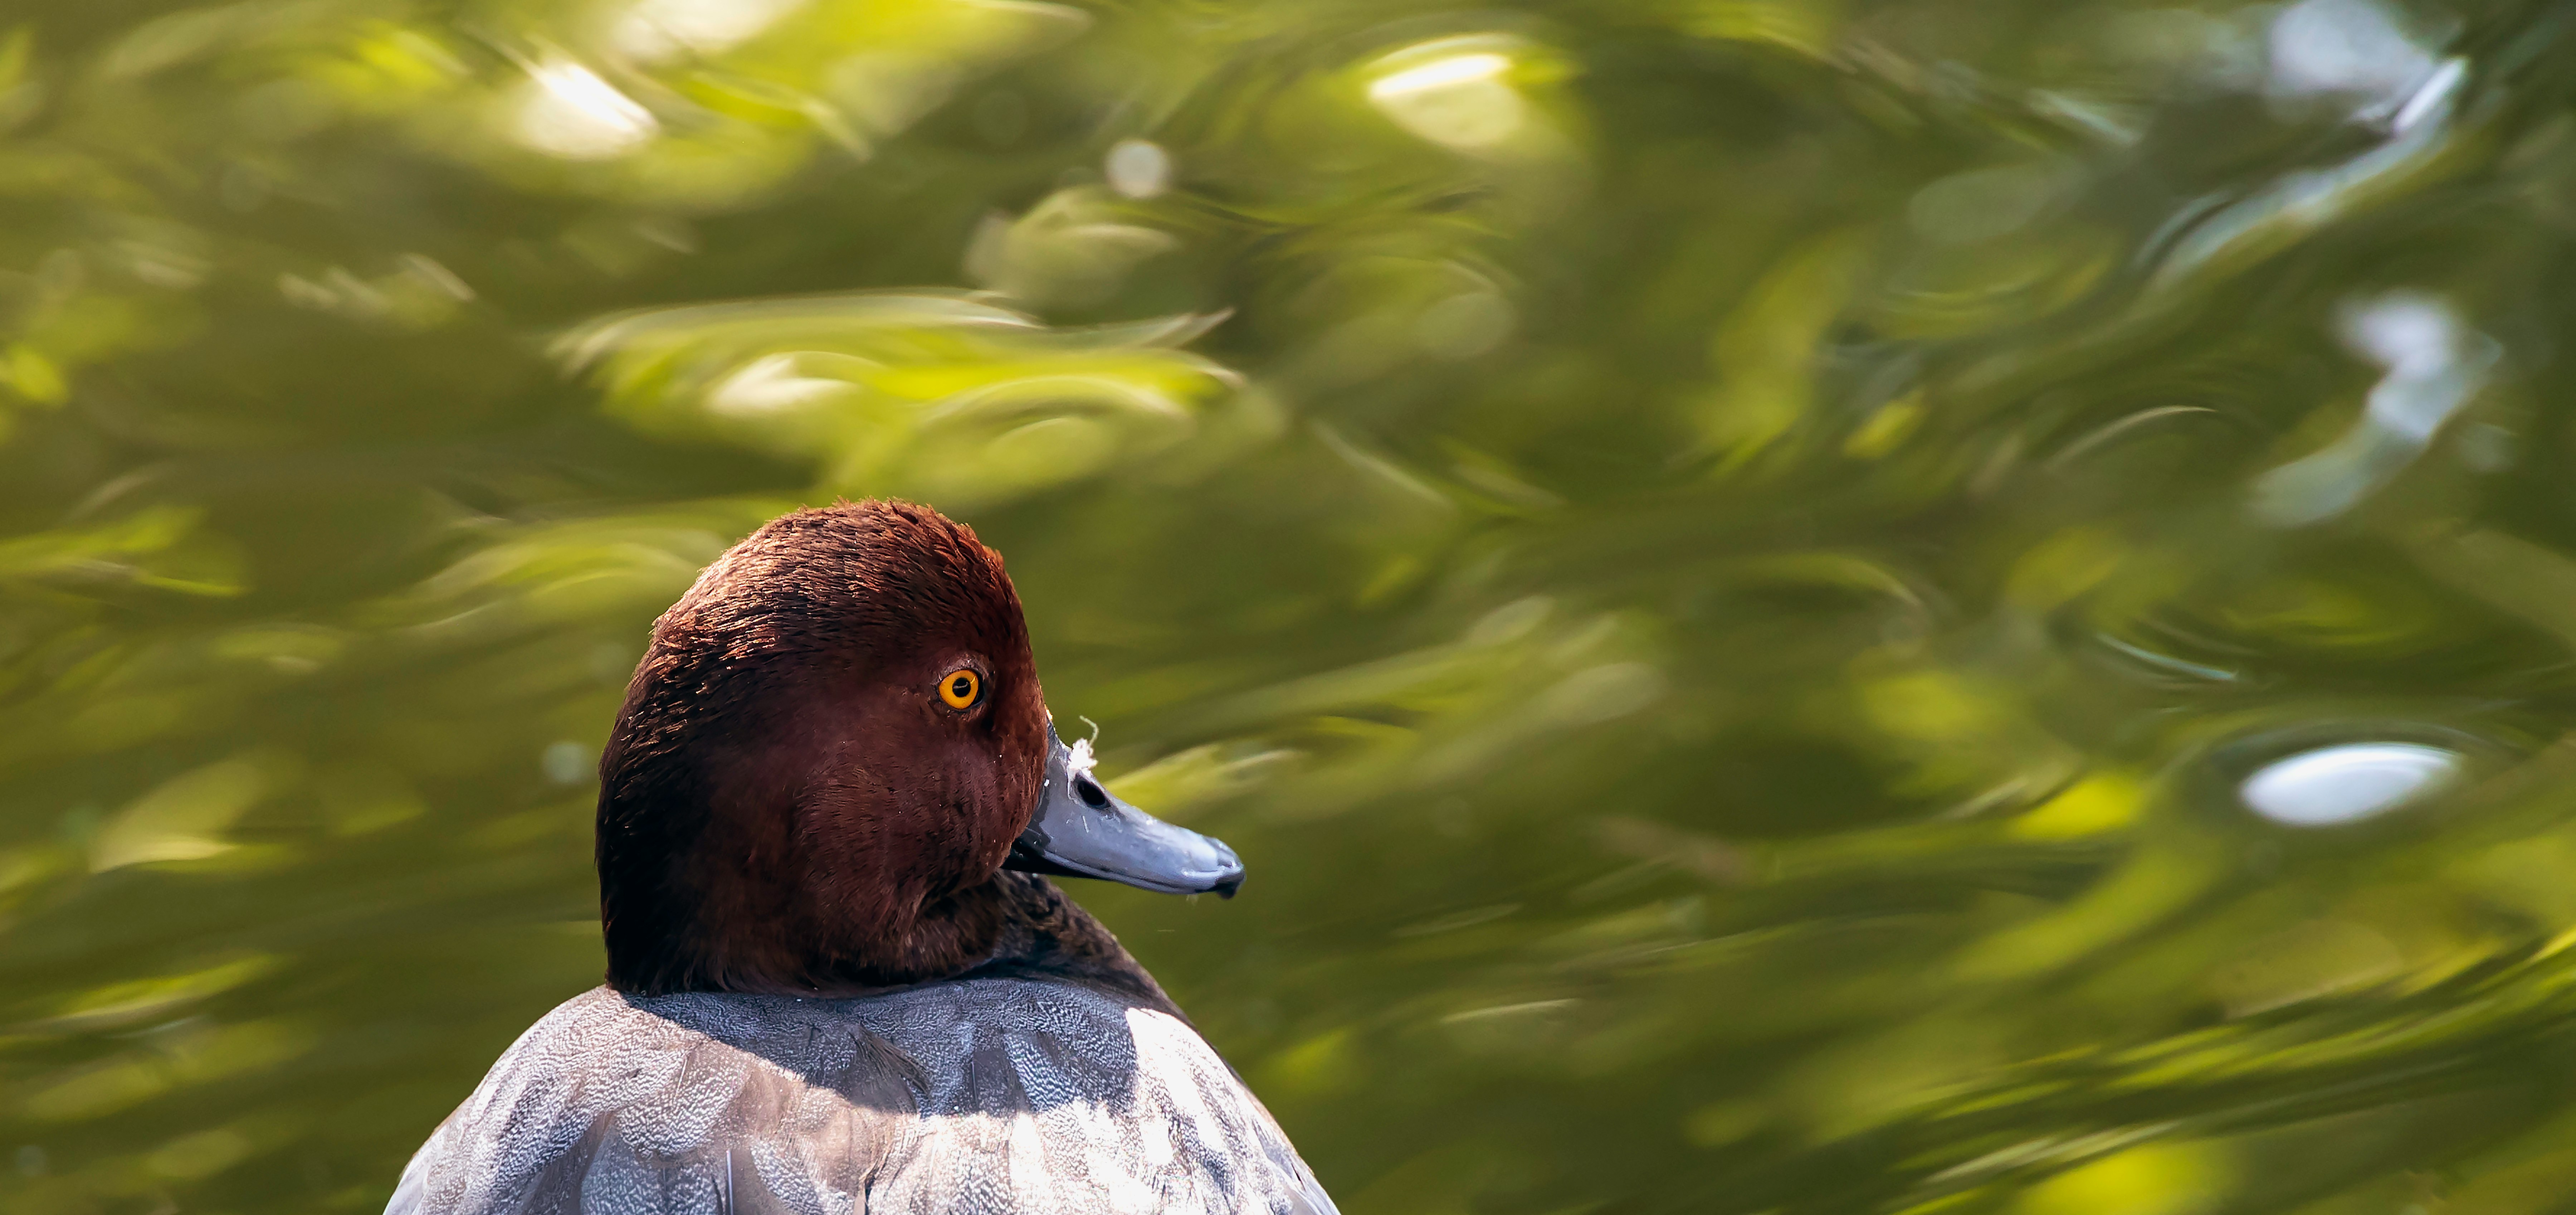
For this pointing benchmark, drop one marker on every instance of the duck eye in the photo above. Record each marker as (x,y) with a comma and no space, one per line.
(960,688)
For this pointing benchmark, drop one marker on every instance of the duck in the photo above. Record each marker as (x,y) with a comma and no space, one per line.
(841,976)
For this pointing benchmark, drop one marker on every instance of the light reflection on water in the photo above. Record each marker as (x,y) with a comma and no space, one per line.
(1899,608)
(2345,783)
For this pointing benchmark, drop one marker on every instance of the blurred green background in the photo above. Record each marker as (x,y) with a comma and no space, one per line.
(1888,606)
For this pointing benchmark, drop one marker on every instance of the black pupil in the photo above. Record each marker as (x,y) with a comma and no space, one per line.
(960,686)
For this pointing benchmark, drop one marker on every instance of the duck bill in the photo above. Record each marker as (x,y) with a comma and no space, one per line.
(1082,830)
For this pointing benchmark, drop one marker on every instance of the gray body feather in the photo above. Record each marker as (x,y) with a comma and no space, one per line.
(994,1096)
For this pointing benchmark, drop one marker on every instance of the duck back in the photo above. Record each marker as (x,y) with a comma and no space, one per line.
(987,1096)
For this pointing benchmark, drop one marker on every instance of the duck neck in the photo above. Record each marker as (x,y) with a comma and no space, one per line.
(1046,935)
(1011,925)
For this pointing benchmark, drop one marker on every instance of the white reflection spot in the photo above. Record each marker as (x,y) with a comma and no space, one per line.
(2347,783)
(660,29)
(1439,74)
(1138,168)
(572,113)
(1459,101)
(770,384)
(567,762)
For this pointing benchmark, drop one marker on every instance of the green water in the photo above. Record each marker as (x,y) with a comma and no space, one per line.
(1907,605)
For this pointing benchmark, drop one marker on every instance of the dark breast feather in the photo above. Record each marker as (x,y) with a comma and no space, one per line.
(983,1097)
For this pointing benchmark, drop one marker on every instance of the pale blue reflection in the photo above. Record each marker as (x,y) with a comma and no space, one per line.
(2347,783)
(2434,364)
(2352,48)
(2330,53)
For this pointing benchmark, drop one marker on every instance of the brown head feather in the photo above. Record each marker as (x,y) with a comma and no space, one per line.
(786,804)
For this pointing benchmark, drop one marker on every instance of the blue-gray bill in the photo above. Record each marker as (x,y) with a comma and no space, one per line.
(1082,830)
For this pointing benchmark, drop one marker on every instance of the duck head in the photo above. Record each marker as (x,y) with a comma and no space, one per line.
(834,743)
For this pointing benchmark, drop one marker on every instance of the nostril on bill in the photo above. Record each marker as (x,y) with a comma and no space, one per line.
(1091,793)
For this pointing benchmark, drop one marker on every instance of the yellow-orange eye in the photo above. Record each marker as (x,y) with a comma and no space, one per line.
(960,688)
